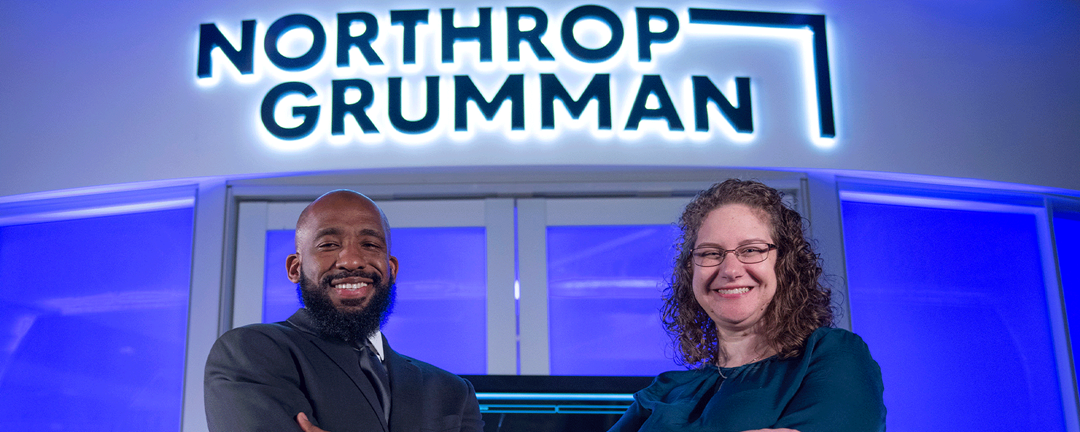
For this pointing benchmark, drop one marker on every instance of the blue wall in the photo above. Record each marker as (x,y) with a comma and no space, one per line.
(93,319)
(953,305)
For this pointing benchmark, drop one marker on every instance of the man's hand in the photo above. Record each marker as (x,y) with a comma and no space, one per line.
(306,425)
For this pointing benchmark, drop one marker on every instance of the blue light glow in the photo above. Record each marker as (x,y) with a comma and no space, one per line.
(608,279)
(1067,236)
(552,409)
(486,396)
(81,213)
(948,293)
(100,341)
(590,32)
(941,203)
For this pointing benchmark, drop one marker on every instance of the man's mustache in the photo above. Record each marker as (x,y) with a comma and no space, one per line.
(328,280)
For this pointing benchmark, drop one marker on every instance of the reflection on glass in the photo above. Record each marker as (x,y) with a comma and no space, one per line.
(604,289)
(93,314)
(1067,236)
(953,306)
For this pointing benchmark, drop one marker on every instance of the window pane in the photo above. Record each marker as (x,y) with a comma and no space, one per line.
(1067,233)
(604,287)
(94,315)
(280,299)
(440,311)
(953,305)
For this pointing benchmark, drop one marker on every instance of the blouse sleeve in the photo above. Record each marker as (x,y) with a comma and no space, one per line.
(841,391)
(632,419)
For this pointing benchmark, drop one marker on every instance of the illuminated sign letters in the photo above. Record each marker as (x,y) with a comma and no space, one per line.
(381,79)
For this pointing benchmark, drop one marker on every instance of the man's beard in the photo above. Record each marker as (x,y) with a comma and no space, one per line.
(348,326)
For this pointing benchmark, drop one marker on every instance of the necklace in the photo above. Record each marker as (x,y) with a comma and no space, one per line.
(725,376)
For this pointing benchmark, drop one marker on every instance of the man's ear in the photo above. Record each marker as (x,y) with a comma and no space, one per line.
(393,266)
(292,267)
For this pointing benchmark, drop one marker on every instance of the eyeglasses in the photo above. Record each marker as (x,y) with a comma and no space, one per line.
(710,256)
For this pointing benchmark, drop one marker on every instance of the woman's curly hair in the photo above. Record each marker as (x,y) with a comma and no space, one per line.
(801,303)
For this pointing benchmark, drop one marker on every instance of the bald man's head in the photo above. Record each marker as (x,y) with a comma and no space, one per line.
(343,264)
(340,200)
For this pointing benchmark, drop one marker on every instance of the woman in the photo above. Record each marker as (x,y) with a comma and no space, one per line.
(752,320)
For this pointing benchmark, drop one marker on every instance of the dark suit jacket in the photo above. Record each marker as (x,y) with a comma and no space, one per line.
(258,377)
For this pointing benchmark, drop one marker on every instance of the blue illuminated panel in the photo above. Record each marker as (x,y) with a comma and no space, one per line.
(441,310)
(953,305)
(280,298)
(93,315)
(604,287)
(1067,233)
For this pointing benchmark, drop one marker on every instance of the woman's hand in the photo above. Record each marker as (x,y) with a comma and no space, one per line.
(306,425)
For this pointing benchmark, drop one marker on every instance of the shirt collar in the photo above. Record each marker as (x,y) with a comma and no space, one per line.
(376,341)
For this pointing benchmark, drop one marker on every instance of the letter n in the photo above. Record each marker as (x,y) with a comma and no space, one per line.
(741,118)
(210,37)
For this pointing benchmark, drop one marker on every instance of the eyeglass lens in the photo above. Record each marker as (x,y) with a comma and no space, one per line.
(746,254)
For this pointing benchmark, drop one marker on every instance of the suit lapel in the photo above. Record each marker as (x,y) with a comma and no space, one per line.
(406,382)
(345,357)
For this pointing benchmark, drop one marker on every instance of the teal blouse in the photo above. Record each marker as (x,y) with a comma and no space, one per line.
(833,386)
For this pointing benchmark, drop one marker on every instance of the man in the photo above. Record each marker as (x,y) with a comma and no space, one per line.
(328,367)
